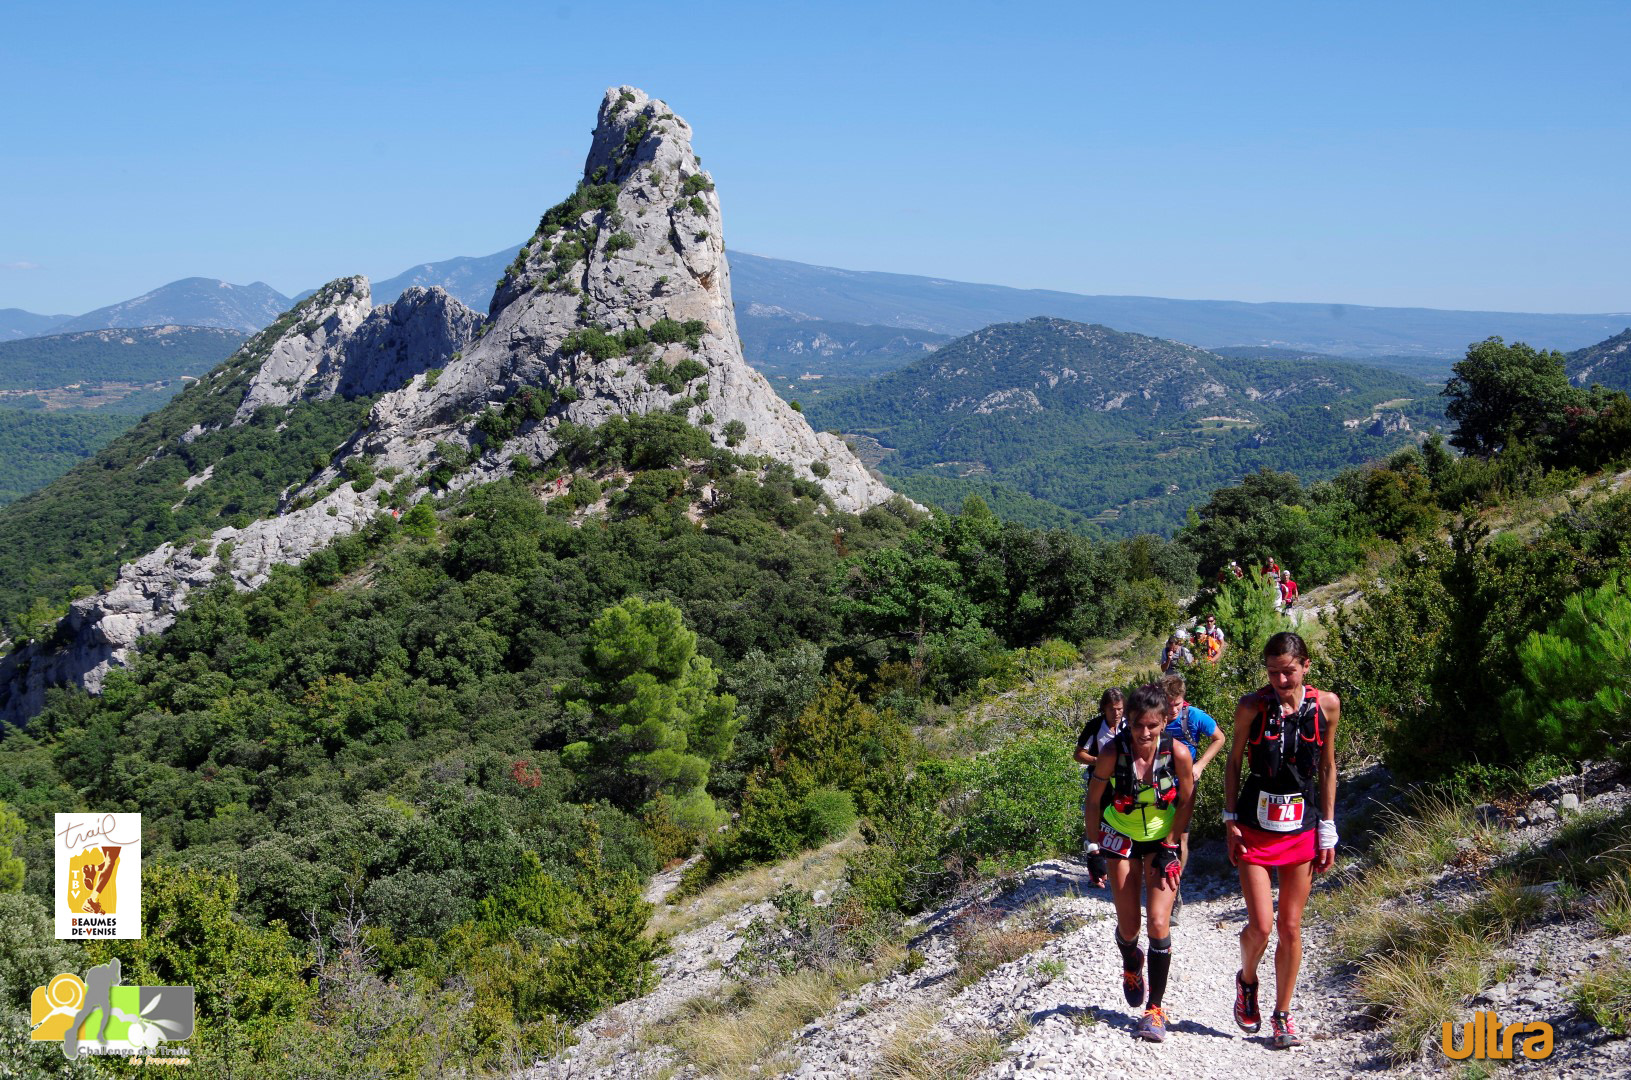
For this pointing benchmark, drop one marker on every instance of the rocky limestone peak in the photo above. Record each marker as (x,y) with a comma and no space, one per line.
(327,318)
(620,303)
(622,295)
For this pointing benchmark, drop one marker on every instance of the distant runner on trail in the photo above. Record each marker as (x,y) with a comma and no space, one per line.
(1288,589)
(1212,640)
(1175,654)
(1097,734)
(1152,794)
(1279,814)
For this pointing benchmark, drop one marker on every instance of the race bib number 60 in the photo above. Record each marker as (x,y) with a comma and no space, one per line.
(1113,842)
(1279,813)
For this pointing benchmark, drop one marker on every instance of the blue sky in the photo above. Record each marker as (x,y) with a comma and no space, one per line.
(1468,155)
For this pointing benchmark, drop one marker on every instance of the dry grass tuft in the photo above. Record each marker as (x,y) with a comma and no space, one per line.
(747,1030)
(1611,904)
(918,1052)
(1418,993)
(985,941)
(725,1037)
(1605,996)
(822,868)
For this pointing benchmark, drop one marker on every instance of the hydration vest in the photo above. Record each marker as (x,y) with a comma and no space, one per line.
(1280,794)
(1142,811)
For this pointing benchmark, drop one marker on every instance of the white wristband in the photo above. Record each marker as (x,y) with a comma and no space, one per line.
(1328,835)
(1230,815)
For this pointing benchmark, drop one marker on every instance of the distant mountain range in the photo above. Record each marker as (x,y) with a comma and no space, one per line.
(1123,429)
(17,323)
(797,301)
(189,302)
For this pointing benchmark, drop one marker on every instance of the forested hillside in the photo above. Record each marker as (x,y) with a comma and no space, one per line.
(124,501)
(485,730)
(1607,362)
(36,447)
(1123,430)
(148,354)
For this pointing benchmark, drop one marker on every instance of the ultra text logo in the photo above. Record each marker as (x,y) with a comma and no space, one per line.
(1483,1038)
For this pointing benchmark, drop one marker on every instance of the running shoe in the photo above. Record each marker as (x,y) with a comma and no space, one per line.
(1285,1032)
(1132,984)
(1177,906)
(1246,1014)
(1153,1028)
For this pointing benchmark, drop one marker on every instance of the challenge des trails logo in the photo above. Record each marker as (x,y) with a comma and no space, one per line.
(99,876)
(99,1016)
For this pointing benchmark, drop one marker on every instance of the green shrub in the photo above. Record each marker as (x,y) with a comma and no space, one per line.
(735,431)
(596,196)
(695,184)
(594,341)
(1573,699)
(820,469)
(618,241)
(360,471)
(826,814)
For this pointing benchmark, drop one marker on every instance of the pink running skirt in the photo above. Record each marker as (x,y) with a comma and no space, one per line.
(1278,849)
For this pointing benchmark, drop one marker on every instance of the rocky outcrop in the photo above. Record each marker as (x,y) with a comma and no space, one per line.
(346,346)
(623,294)
(620,303)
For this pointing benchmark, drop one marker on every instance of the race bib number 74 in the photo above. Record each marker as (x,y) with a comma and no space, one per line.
(1279,813)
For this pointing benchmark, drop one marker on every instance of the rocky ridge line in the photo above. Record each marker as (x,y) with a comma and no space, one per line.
(619,304)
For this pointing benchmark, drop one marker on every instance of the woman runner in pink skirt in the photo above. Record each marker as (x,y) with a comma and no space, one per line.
(1280,815)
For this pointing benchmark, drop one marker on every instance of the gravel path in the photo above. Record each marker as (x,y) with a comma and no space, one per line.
(1063,1024)
(1057,1010)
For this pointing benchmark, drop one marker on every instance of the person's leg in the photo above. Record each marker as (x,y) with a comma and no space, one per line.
(1160,910)
(1258,891)
(1295,883)
(1126,886)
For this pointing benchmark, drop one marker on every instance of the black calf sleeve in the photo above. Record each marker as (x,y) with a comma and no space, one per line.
(1130,956)
(1160,965)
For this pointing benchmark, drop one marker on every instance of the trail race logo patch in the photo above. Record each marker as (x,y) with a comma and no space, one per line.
(99,876)
(98,1015)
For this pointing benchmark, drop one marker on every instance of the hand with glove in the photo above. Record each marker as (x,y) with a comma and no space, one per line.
(1098,868)
(1168,865)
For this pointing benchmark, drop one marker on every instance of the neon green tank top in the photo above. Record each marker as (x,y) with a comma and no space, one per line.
(1145,821)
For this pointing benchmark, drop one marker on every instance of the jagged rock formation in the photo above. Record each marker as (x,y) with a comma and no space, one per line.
(623,295)
(348,347)
(620,303)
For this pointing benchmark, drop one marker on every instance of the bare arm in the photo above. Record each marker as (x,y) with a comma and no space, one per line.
(1084,758)
(1102,771)
(1184,766)
(1331,707)
(1211,751)
(1231,778)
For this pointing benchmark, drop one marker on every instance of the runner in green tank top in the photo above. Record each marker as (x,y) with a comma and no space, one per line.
(1152,794)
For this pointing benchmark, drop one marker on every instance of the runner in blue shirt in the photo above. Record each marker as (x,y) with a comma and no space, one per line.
(1189,725)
